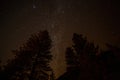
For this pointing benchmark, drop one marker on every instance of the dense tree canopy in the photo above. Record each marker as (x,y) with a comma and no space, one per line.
(31,60)
(81,52)
(84,59)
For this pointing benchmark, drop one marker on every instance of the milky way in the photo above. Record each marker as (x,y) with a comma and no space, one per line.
(96,19)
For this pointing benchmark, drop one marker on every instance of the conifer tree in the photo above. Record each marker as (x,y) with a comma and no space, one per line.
(81,57)
(81,51)
(31,60)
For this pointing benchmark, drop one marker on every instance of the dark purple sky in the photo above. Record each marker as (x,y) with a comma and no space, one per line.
(97,19)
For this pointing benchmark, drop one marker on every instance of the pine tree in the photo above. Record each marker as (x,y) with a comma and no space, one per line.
(71,59)
(81,56)
(109,62)
(31,60)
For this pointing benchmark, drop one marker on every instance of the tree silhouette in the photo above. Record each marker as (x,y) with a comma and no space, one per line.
(81,56)
(81,51)
(31,60)
(71,59)
(109,62)
(82,47)
(84,62)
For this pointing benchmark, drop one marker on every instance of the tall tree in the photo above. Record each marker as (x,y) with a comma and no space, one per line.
(81,56)
(109,62)
(31,60)
(71,59)
(81,51)
(82,47)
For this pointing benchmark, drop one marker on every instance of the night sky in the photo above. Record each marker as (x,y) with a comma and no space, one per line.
(98,20)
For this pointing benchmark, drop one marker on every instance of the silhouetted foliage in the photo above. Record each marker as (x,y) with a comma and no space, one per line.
(109,62)
(71,59)
(81,57)
(31,60)
(81,52)
(82,47)
(84,61)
